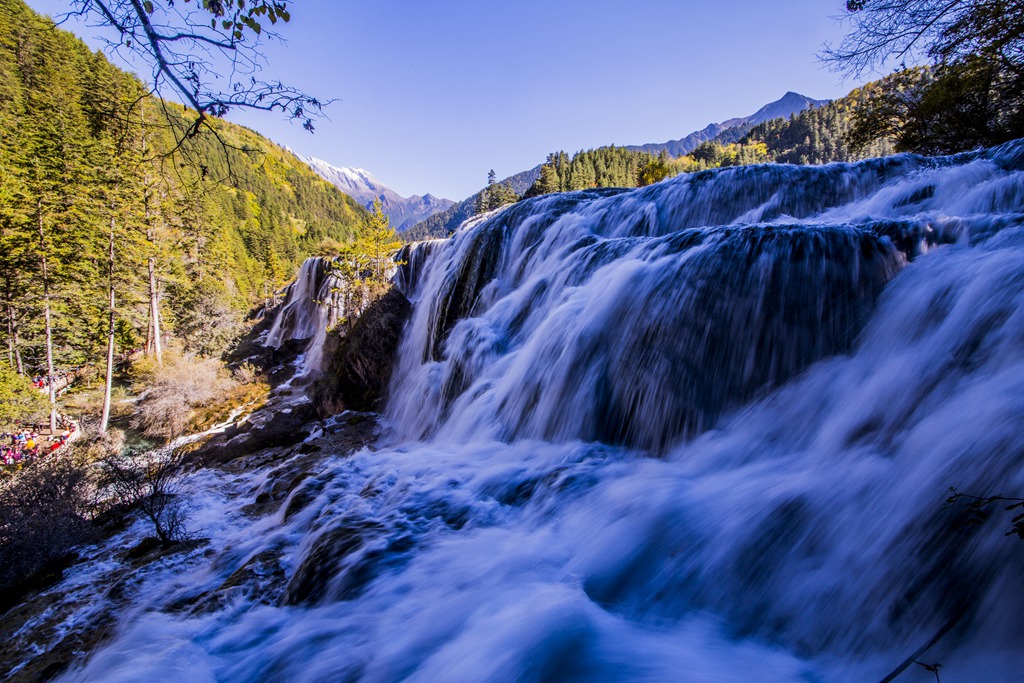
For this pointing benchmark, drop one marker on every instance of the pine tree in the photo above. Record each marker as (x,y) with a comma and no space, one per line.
(363,267)
(379,242)
(495,195)
(82,150)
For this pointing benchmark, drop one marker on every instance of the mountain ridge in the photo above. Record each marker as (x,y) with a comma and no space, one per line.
(787,105)
(445,222)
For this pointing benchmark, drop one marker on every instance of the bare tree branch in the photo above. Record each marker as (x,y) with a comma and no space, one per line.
(888,32)
(884,31)
(207,55)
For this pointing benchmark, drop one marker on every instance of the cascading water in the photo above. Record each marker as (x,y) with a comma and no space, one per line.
(701,431)
(311,307)
(319,298)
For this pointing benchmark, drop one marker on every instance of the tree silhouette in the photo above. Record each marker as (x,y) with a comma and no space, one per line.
(206,54)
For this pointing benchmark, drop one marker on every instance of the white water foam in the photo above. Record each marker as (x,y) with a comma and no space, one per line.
(787,523)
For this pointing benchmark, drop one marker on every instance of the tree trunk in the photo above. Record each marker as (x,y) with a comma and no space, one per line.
(200,242)
(47,320)
(13,349)
(154,312)
(148,347)
(112,313)
(153,336)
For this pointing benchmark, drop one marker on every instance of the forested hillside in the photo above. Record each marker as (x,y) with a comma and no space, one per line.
(604,167)
(817,135)
(445,222)
(99,187)
(733,129)
(824,134)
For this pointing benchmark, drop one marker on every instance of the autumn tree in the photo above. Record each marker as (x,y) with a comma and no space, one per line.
(380,242)
(655,170)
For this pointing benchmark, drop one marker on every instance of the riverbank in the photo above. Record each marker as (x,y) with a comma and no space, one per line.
(49,631)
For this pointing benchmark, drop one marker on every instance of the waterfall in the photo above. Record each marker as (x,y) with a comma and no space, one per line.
(310,308)
(317,301)
(639,318)
(699,431)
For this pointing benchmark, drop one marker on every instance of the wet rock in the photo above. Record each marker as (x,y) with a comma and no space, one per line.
(344,559)
(359,365)
(295,468)
(49,573)
(276,363)
(282,430)
(150,549)
(142,548)
(260,580)
(303,497)
(39,639)
(46,665)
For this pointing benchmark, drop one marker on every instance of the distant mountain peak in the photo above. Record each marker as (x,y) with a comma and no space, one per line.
(365,188)
(784,107)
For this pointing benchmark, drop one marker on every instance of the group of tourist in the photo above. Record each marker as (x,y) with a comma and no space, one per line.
(27,444)
(61,381)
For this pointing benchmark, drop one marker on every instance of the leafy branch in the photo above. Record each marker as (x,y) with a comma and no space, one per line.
(978,509)
(207,55)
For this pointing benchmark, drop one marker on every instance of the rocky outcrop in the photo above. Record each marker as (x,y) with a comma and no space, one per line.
(357,366)
(286,427)
(252,349)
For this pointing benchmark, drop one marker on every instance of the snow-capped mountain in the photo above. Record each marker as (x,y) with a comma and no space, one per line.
(362,186)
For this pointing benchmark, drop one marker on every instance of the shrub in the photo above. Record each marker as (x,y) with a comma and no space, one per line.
(45,511)
(246,373)
(149,482)
(175,390)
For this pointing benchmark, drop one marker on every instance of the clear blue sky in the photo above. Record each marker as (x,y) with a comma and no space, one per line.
(431,95)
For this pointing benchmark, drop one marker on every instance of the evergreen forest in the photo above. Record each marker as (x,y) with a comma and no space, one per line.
(818,135)
(112,216)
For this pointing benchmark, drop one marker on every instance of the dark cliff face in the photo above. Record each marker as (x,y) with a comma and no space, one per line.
(358,366)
